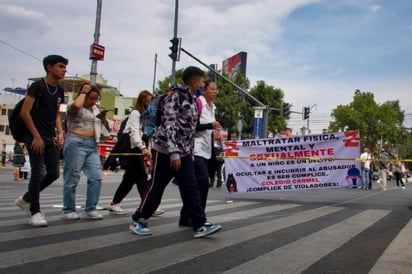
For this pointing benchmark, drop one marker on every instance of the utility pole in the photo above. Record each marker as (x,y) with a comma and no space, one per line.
(93,71)
(154,73)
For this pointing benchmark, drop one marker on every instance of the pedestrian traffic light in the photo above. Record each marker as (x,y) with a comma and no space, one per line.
(285,109)
(306,112)
(175,49)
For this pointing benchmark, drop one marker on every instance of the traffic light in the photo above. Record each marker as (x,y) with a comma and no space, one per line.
(306,112)
(285,109)
(175,49)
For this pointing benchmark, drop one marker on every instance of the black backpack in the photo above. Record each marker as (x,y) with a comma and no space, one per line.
(123,139)
(16,124)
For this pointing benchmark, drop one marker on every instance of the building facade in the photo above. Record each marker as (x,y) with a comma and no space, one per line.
(111,99)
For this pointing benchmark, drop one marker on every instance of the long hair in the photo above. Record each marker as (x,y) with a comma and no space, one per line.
(141,100)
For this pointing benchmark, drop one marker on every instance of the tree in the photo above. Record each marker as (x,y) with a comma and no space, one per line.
(231,104)
(273,98)
(405,148)
(379,125)
(164,85)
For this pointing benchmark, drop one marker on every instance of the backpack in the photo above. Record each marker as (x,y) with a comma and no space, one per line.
(123,139)
(16,124)
(154,117)
(150,119)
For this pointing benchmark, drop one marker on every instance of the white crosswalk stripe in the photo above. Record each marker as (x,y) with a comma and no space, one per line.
(111,248)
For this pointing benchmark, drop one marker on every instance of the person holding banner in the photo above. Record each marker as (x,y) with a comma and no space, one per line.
(203,145)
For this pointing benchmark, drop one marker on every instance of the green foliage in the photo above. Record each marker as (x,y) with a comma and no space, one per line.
(405,148)
(273,98)
(164,85)
(376,122)
(232,105)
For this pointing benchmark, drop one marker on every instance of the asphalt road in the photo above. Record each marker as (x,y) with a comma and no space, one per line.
(310,231)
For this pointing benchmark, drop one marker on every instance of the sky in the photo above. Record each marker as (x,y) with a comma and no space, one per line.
(317,51)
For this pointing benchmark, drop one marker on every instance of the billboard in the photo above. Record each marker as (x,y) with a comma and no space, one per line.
(235,64)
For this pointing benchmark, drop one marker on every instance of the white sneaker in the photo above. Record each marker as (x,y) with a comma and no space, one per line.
(25,206)
(94,215)
(71,216)
(38,220)
(116,209)
(158,212)
(403,187)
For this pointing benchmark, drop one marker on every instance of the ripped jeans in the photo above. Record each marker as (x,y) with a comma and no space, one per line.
(80,154)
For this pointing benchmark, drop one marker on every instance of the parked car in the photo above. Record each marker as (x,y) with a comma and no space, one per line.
(376,176)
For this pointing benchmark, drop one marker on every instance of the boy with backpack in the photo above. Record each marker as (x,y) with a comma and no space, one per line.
(173,143)
(42,143)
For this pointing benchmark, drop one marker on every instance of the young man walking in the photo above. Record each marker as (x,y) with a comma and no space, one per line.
(173,143)
(40,113)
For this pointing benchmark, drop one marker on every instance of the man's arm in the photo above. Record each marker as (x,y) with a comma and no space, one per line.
(60,133)
(37,145)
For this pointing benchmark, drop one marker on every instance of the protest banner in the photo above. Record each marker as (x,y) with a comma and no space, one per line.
(318,161)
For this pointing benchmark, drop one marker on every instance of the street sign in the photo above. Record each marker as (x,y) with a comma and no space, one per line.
(97,52)
(258,122)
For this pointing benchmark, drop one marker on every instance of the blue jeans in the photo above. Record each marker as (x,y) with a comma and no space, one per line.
(80,154)
(365,178)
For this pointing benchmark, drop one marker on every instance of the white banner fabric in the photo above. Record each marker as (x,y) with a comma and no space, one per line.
(316,161)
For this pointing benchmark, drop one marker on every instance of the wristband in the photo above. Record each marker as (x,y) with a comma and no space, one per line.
(83,92)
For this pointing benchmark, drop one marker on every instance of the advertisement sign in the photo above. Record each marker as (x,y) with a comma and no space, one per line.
(317,161)
(235,64)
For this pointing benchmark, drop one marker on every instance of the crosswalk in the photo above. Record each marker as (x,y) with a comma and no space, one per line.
(257,237)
